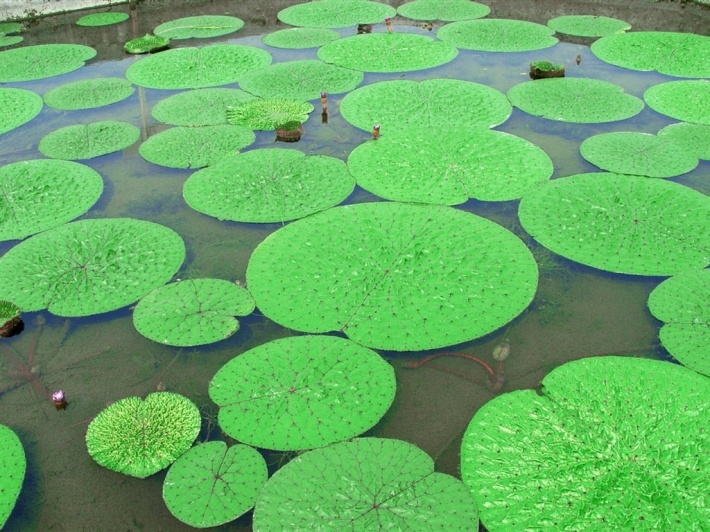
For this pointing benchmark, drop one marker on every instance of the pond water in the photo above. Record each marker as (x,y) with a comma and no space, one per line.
(577,311)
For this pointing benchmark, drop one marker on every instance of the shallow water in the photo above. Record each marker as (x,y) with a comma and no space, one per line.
(577,312)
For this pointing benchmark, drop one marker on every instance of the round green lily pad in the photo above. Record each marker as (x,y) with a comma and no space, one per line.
(449,166)
(9,40)
(86,141)
(387,52)
(674,54)
(588,25)
(300,38)
(91,266)
(200,107)
(302,392)
(687,100)
(211,484)
(265,115)
(139,437)
(435,103)
(695,137)
(683,304)
(497,35)
(12,465)
(195,147)
(17,107)
(42,61)
(192,312)
(619,223)
(102,19)
(448,10)
(193,68)
(393,276)
(10,27)
(88,93)
(40,194)
(269,185)
(201,26)
(147,43)
(364,484)
(577,100)
(335,13)
(626,152)
(300,80)
(611,443)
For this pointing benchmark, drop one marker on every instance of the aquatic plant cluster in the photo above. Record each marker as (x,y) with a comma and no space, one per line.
(610,443)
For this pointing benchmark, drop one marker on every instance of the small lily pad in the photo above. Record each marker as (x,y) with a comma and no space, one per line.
(688,101)
(201,26)
(497,35)
(17,107)
(10,40)
(86,141)
(102,19)
(265,115)
(10,27)
(12,464)
(88,93)
(300,38)
(42,61)
(588,25)
(695,137)
(200,107)
(335,13)
(447,10)
(147,43)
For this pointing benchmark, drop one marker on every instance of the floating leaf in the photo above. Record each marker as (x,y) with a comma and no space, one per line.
(497,35)
(40,194)
(588,25)
(200,107)
(623,224)
(448,10)
(88,93)
(139,438)
(102,19)
(42,61)
(12,465)
(611,443)
(683,100)
(211,484)
(302,392)
(10,27)
(192,312)
(17,107)
(9,40)
(449,166)
(393,276)
(86,141)
(269,185)
(145,44)
(577,100)
(201,26)
(265,115)
(91,266)
(300,38)
(695,137)
(364,484)
(335,13)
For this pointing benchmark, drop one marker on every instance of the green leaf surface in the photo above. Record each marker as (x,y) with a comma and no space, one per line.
(393,276)
(102,19)
(42,61)
(365,484)
(269,185)
(88,93)
(12,465)
(145,44)
(17,107)
(40,194)
(91,266)
(387,52)
(688,101)
(10,27)
(497,35)
(447,10)
(619,223)
(211,484)
(200,107)
(192,312)
(335,13)
(588,25)
(611,443)
(139,437)
(265,115)
(449,166)
(300,38)
(86,141)
(577,100)
(302,392)
(201,26)
(9,40)
(695,137)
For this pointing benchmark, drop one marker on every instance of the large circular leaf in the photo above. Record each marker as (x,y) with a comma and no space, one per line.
(86,141)
(335,13)
(302,392)
(201,26)
(266,115)
(300,38)
(17,107)
(102,19)
(695,137)
(448,10)
(393,276)
(42,61)
(587,25)
(497,35)
(12,465)
(88,93)
(683,100)
(200,107)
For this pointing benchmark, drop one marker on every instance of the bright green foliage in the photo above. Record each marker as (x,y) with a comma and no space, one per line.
(202,26)
(683,304)
(42,61)
(192,312)
(9,40)
(683,100)
(8,312)
(201,107)
(587,25)
(623,224)
(10,27)
(269,185)
(86,141)
(302,392)
(211,484)
(393,276)
(448,10)
(388,52)
(546,66)
(145,44)
(88,93)
(17,107)
(611,443)
(265,115)
(364,485)
(449,166)
(695,137)
(434,103)
(12,465)
(335,13)
(300,38)
(40,194)
(102,19)
(497,35)
(139,437)
(91,266)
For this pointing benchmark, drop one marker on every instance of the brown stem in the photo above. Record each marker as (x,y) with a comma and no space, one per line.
(419,363)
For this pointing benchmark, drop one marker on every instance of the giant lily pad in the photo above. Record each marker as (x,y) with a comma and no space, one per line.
(102,19)
(497,35)
(41,194)
(192,312)
(201,26)
(623,224)
(588,25)
(201,107)
(695,137)
(42,61)
(611,443)
(448,10)
(211,484)
(300,38)
(335,13)
(435,103)
(393,276)
(449,166)
(139,437)
(86,141)
(265,115)
(91,266)
(683,304)
(88,93)
(269,185)
(388,52)
(577,100)
(12,465)
(147,43)
(302,392)
(683,100)
(364,484)
(193,68)
(17,107)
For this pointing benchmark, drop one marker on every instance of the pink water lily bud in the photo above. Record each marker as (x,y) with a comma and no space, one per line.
(59,400)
